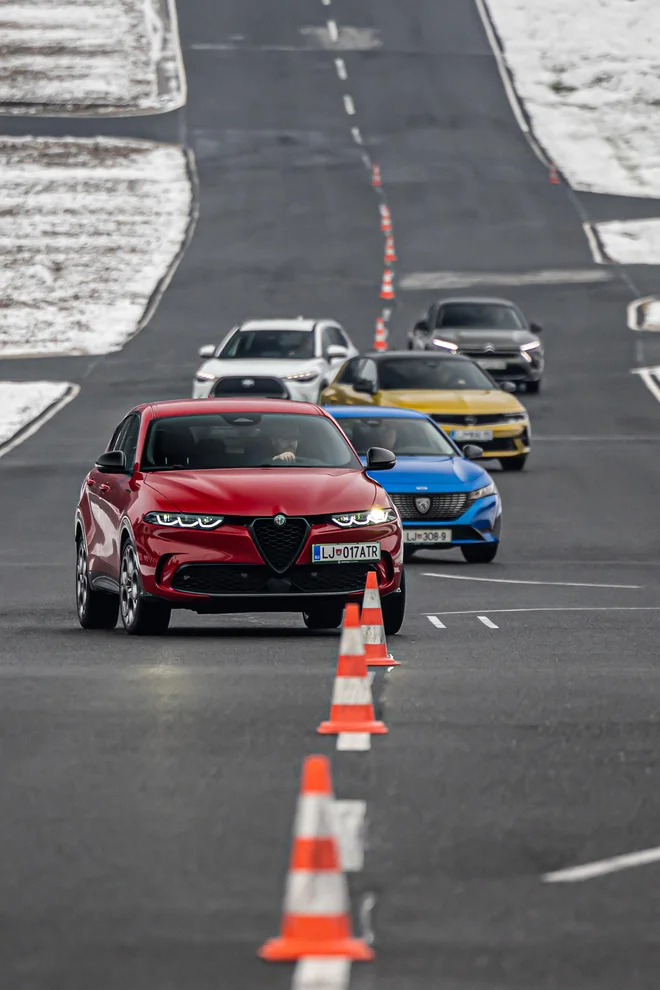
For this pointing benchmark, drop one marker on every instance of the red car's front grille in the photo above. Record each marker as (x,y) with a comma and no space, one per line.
(280,546)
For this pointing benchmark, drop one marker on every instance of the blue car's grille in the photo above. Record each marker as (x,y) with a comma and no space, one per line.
(448,505)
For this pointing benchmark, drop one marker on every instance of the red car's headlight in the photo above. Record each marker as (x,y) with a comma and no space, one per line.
(183,520)
(372,517)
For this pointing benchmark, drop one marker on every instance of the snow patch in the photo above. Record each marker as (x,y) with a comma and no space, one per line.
(21,403)
(90,230)
(587,73)
(631,242)
(104,56)
(652,315)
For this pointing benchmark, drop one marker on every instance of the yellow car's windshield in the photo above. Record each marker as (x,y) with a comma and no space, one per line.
(431,373)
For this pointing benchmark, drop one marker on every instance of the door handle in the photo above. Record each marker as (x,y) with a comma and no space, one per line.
(104,488)
(90,482)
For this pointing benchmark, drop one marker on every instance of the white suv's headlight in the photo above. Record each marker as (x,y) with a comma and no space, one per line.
(372,517)
(303,377)
(490,489)
(205,376)
(183,520)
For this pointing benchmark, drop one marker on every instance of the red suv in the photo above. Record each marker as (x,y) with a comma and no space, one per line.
(220,505)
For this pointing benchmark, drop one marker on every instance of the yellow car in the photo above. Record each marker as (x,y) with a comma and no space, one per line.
(454,391)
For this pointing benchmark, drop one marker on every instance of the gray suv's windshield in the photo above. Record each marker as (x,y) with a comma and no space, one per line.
(478,316)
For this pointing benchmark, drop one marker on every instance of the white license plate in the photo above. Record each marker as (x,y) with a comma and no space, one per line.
(427,536)
(338,553)
(472,434)
(492,363)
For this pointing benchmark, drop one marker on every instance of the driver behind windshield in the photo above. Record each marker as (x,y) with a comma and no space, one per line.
(285,443)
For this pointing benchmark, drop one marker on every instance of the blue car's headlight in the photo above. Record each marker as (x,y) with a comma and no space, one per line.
(490,489)
(372,517)
(184,520)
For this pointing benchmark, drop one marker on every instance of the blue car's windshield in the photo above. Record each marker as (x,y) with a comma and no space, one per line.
(405,437)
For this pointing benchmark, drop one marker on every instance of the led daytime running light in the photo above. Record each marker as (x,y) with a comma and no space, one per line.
(483,492)
(183,520)
(372,517)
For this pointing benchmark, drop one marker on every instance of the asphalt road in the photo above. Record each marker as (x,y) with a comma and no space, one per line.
(148,786)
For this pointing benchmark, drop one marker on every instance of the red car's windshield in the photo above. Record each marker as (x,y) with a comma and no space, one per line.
(243,440)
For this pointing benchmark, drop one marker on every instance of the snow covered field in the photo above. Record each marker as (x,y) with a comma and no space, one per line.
(22,403)
(631,242)
(89,230)
(99,56)
(588,72)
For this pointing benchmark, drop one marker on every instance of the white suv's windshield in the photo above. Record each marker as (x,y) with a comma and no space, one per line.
(245,440)
(265,344)
(404,436)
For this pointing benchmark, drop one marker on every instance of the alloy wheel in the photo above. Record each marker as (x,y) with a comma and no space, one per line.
(129,586)
(82,581)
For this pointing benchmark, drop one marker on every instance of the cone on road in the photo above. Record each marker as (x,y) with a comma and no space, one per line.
(373,629)
(375,177)
(385,219)
(380,339)
(352,708)
(316,919)
(554,176)
(387,289)
(390,253)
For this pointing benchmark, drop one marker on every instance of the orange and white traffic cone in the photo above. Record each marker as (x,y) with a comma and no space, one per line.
(352,708)
(554,176)
(387,289)
(385,219)
(316,919)
(390,253)
(375,177)
(380,339)
(373,629)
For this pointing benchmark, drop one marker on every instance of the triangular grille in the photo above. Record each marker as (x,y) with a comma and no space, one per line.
(280,546)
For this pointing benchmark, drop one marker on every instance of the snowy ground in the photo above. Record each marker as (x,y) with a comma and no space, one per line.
(22,403)
(90,230)
(588,72)
(98,56)
(631,242)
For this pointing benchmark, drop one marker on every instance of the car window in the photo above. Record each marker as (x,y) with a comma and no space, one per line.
(326,342)
(267,344)
(484,316)
(245,440)
(349,373)
(129,439)
(429,373)
(116,435)
(336,337)
(405,436)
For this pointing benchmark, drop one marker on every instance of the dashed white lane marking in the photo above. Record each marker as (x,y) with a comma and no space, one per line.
(28,431)
(594,245)
(349,820)
(357,135)
(340,66)
(558,608)
(321,973)
(487,622)
(552,584)
(349,106)
(422,281)
(326,3)
(333,31)
(435,621)
(651,378)
(353,742)
(601,867)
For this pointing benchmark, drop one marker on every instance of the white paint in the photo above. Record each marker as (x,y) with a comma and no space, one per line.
(332,30)
(349,824)
(313,816)
(310,892)
(326,3)
(651,378)
(340,66)
(554,584)
(487,622)
(632,242)
(26,406)
(601,867)
(594,245)
(111,56)
(587,76)
(349,106)
(435,621)
(560,608)
(343,38)
(357,135)
(320,972)
(351,691)
(512,96)
(644,313)
(423,281)
(353,742)
(91,231)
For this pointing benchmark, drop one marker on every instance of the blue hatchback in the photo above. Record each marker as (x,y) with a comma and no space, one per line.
(444,498)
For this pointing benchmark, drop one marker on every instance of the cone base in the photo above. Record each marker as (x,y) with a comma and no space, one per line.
(335,728)
(290,949)
(383,662)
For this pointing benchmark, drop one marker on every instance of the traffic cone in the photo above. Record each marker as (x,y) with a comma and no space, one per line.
(380,339)
(390,253)
(316,919)
(387,289)
(385,219)
(554,177)
(375,177)
(352,708)
(373,630)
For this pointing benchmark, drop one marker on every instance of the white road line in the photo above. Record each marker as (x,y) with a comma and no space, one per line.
(40,420)
(340,66)
(618,439)
(423,281)
(357,135)
(333,31)
(326,3)
(594,245)
(349,106)
(651,378)
(601,867)
(552,584)
(321,973)
(353,742)
(349,819)
(487,622)
(559,608)
(435,621)
(502,68)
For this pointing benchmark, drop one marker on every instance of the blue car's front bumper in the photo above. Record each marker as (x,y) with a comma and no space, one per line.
(480,523)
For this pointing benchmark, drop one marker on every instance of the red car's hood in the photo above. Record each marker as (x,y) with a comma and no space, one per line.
(266,491)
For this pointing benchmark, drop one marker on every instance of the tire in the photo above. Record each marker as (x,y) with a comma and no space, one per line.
(394,609)
(409,553)
(534,387)
(139,616)
(480,553)
(513,463)
(96,609)
(324,617)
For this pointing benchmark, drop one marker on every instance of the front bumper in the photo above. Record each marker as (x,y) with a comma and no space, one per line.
(481,523)
(223,571)
(517,368)
(509,439)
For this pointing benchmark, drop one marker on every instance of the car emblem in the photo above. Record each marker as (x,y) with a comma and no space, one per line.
(470,420)
(280,520)
(489,349)
(422,488)
(247,382)
(423,505)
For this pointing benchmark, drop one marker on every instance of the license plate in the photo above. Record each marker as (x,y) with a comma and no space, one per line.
(492,363)
(427,536)
(338,553)
(472,434)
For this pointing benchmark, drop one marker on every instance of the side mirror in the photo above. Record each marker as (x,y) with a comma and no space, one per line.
(471,452)
(536,328)
(365,385)
(380,459)
(207,351)
(422,325)
(112,462)
(508,387)
(335,352)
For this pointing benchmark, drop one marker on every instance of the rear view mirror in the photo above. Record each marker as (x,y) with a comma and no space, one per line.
(508,386)
(112,462)
(422,325)
(471,452)
(336,352)
(536,328)
(380,459)
(207,351)
(365,385)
